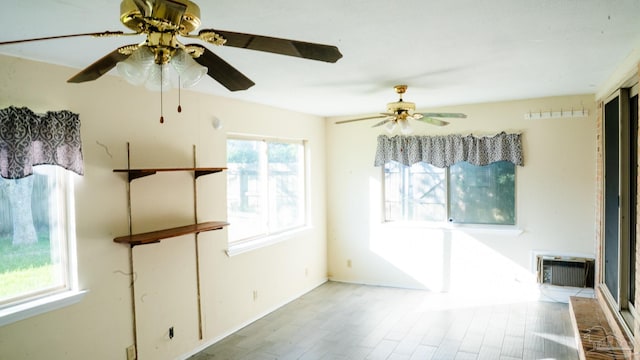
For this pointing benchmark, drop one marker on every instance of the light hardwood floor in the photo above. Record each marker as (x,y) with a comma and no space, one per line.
(347,321)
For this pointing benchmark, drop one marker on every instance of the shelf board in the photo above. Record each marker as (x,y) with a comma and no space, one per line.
(198,171)
(156,236)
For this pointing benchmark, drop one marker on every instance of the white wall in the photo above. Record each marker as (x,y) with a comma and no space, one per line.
(554,200)
(113,113)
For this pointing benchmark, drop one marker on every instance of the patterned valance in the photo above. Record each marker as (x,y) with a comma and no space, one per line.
(444,151)
(28,139)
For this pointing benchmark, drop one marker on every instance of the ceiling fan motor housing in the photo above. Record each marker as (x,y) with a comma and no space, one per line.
(401,108)
(132,18)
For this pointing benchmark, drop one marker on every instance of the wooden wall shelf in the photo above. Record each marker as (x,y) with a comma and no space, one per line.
(155,236)
(198,171)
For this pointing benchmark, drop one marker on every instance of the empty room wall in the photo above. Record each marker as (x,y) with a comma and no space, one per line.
(554,204)
(113,113)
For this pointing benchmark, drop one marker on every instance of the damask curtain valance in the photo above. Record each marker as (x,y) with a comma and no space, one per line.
(444,151)
(28,139)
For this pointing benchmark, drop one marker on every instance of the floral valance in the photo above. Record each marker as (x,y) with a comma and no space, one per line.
(444,151)
(28,139)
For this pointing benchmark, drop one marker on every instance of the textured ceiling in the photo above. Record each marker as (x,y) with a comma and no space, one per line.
(448,52)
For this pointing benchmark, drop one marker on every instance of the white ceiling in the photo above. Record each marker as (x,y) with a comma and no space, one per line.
(448,52)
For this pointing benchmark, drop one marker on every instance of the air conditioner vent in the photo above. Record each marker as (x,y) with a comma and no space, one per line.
(566,271)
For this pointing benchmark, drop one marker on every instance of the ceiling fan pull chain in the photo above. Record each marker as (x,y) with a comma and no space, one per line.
(179,92)
(161,113)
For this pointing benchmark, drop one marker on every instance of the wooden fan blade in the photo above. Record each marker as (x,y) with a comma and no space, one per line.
(169,10)
(327,53)
(222,72)
(100,67)
(382,122)
(445,115)
(433,121)
(98,34)
(359,119)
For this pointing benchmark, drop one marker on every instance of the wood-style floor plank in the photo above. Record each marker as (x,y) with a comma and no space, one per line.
(346,321)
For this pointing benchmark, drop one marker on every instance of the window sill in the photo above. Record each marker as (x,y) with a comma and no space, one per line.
(39,306)
(257,243)
(508,230)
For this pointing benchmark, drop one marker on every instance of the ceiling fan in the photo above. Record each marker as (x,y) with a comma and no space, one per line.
(399,113)
(163,21)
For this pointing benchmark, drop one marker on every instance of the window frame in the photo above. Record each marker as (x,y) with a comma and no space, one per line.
(270,236)
(39,302)
(447,222)
(619,299)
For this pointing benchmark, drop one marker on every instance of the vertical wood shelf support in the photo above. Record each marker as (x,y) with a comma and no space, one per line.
(197,244)
(131,271)
(156,236)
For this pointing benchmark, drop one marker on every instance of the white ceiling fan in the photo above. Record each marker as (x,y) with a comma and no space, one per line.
(399,113)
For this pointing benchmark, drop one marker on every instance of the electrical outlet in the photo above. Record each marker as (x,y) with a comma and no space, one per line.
(306,271)
(349,263)
(131,352)
(171,333)
(255,295)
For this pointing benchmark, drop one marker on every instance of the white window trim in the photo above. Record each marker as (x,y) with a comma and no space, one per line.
(53,301)
(243,246)
(493,229)
(40,306)
(238,247)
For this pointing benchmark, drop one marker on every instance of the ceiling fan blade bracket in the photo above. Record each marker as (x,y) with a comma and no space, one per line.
(211,37)
(110,33)
(194,50)
(128,49)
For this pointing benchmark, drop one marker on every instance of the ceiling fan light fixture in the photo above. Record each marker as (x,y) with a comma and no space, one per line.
(390,126)
(159,78)
(188,69)
(136,68)
(405,128)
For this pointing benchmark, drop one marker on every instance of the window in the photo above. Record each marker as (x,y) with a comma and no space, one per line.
(462,193)
(265,187)
(36,237)
(620,128)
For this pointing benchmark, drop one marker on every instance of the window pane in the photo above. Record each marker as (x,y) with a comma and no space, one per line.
(414,192)
(244,196)
(482,194)
(265,187)
(33,251)
(286,186)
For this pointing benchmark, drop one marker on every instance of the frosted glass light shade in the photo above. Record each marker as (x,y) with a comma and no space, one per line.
(390,126)
(159,78)
(189,70)
(135,69)
(405,128)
